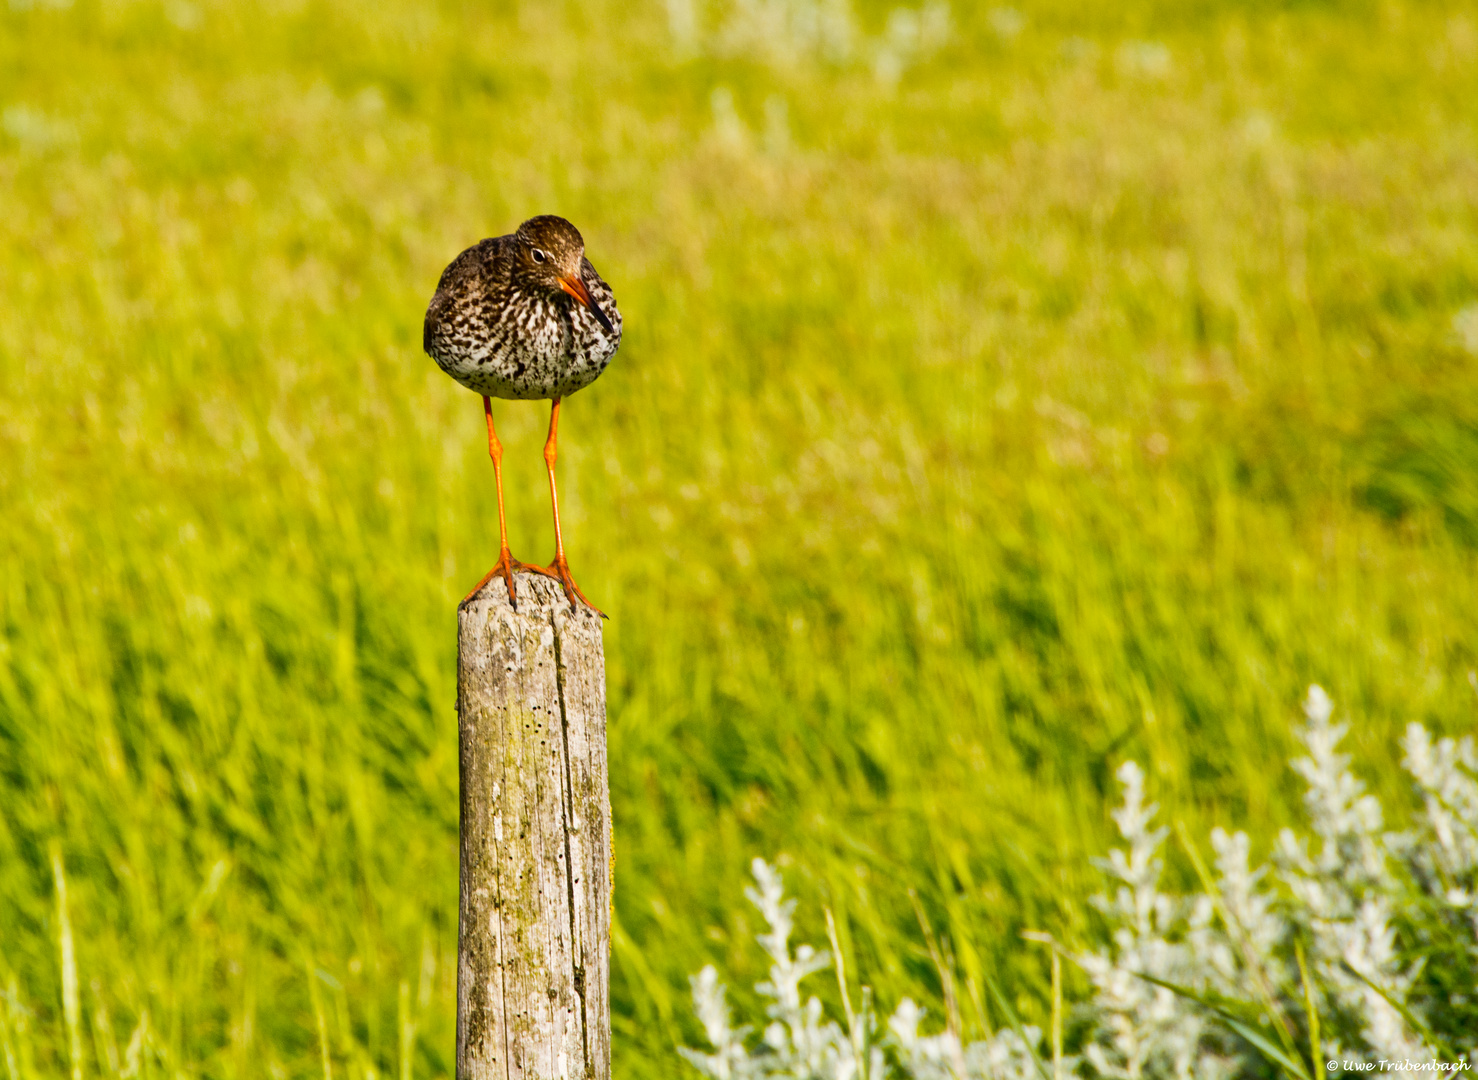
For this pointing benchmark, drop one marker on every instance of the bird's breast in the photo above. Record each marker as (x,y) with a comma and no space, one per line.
(521,345)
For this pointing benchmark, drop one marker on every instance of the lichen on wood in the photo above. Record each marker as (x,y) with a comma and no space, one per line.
(534,972)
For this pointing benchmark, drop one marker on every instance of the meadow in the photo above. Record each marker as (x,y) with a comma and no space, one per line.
(1005,392)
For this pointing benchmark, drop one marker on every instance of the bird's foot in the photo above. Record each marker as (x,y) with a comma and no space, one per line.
(505,568)
(559,570)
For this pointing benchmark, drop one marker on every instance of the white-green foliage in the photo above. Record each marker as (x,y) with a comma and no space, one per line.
(1333,894)
(796,1041)
(799,1042)
(1005,1056)
(1343,891)
(1446,772)
(1146,1029)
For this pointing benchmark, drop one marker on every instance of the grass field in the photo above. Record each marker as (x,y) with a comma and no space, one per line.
(996,402)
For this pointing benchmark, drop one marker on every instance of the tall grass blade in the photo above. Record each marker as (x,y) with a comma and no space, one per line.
(406,1023)
(1316,1051)
(320,1020)
(1056,1016)
(104,1041)
(864,1040)
(9,1030)
(1418,1025)
(1258,1038)
(1056,1024)
(1262,984)
(71,994)
(1015,1024)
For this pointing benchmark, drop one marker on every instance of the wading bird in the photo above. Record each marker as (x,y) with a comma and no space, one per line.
(524,317)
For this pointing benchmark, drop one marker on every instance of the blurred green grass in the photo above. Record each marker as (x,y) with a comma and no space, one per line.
(1054,406)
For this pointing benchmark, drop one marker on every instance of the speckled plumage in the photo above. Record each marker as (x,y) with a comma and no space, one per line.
(501,325)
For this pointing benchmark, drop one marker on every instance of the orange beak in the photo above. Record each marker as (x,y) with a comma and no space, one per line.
(576,288)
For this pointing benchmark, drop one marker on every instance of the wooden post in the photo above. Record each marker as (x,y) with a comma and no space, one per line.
(533,973)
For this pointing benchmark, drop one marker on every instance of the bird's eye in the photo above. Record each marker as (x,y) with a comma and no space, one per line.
(539,256)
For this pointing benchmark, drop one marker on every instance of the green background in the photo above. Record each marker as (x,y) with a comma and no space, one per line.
(1082,396)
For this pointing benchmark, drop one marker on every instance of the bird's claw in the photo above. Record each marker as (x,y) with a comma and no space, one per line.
(505,567)
(559,570)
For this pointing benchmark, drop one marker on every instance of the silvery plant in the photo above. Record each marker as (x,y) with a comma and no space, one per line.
(1356,949)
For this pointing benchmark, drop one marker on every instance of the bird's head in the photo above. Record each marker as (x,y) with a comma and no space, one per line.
(549,255)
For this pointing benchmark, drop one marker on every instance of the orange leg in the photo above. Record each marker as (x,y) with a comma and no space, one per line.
(506,564)
(559,569)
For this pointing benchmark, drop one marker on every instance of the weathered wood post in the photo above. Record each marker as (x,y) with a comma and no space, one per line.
(533,974)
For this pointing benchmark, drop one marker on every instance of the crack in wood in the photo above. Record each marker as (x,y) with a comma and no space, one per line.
(534,956)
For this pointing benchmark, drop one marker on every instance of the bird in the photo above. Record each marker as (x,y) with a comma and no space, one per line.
(525,317)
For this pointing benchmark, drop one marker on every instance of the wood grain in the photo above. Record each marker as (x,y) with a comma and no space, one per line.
(533,977)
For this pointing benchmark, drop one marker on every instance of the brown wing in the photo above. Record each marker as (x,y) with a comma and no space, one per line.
(471,275)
